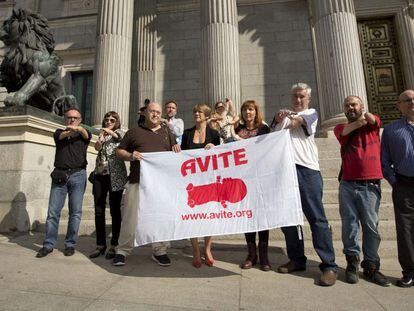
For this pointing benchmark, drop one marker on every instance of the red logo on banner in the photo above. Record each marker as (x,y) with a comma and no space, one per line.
(231,190)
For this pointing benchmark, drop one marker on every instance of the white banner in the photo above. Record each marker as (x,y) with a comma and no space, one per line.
(249,185)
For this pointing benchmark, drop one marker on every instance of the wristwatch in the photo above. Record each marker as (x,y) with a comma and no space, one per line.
(132,157)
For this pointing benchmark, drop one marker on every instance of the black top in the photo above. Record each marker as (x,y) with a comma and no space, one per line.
(212,136)
(245,133)
(71,151)
(143,139)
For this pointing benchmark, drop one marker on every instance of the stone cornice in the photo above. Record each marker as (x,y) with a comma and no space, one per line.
(73,21)
(194,5)
(27,128)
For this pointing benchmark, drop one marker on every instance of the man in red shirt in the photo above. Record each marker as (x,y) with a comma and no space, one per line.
(360,190)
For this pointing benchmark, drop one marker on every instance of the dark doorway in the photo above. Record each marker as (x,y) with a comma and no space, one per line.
(382,67)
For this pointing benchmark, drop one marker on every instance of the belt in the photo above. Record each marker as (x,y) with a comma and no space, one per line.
(404,178)
(70,170)
(367,181)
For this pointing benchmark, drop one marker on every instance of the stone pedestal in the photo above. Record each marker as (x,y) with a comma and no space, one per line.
(112,74)
(28,151)
(143,56)
(338,56)
(220,51)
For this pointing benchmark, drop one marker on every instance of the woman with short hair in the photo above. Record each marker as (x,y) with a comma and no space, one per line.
(109,176)
(201,136)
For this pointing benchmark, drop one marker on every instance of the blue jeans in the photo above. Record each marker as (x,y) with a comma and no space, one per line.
(74,188)
(359,202)
(310,188)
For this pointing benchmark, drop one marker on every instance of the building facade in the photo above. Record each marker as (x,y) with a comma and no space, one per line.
(116,53)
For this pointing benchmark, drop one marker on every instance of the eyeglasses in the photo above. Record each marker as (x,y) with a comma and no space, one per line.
(156,112)
(219,107)
(72,118)
(110,120)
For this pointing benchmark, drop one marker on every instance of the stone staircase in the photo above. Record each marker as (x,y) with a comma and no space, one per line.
(330,163)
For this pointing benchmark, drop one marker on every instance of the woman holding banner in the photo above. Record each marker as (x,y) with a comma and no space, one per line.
(252,125)
(201,136)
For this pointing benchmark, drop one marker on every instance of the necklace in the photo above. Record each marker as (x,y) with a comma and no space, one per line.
(200,130)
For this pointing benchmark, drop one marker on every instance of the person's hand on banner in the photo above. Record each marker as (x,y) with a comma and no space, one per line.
(136,156)
(176,148)
(209,146)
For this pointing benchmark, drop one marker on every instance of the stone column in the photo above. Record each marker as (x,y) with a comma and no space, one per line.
(113,59)
(220,51)
(338,55)
(143,56)
(405,26)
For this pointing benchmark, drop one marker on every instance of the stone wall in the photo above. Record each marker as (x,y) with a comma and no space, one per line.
(179,60)
(275,52)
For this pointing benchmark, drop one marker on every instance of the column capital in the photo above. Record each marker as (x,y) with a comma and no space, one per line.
(322,8)
(218,11)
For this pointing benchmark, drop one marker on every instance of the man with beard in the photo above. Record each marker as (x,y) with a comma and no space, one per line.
(360,190)
(397,164)
(175,125)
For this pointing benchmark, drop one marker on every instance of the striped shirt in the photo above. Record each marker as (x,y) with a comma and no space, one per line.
(397,150)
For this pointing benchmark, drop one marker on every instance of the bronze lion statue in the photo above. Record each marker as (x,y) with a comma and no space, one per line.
(30,66)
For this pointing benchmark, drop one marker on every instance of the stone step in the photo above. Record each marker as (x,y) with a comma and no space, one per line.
(386,212)
(331,197)
(387,249)
(386,227)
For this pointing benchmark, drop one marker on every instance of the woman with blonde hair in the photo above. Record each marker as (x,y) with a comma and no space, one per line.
(252,125)
(223,120)
(201,136)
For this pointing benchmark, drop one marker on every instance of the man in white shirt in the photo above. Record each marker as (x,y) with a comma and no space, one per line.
(175,125)
(302,122)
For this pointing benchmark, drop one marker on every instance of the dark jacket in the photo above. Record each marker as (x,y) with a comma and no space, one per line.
(212,136)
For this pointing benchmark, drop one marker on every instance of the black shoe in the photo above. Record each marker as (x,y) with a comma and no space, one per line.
(69,251)
(110,254)
(162,260)
(119,260)
(377,278)
(43,252)
(100,250)
(351,272)
(405,281)
(291,266)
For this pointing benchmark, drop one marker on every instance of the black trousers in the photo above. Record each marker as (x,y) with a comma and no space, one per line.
(403,199)
(101,188)
(251,236)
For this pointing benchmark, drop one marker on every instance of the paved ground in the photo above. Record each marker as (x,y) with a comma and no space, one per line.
(78,283)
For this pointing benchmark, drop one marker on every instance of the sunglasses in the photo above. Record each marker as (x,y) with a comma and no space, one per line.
(218,107)
(110,120)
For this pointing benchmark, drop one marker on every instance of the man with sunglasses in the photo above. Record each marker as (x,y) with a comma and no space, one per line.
(68,179)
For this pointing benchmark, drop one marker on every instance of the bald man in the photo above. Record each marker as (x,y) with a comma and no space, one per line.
(148,137)
(360,190)
(397,157)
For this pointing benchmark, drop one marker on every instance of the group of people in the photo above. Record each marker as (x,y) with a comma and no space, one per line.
(365,161)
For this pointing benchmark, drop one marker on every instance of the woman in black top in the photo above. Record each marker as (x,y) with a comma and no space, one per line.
(201,136)
(252,125)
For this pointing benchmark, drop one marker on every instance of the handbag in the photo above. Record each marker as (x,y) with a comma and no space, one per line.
(59,177)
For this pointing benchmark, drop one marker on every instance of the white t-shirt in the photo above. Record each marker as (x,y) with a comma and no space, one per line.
(303,138)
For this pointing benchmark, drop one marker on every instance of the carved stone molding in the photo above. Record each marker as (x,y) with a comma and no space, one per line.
(80,7)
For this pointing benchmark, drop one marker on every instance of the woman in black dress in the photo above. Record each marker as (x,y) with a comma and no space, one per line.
(252,125)
(201,136)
